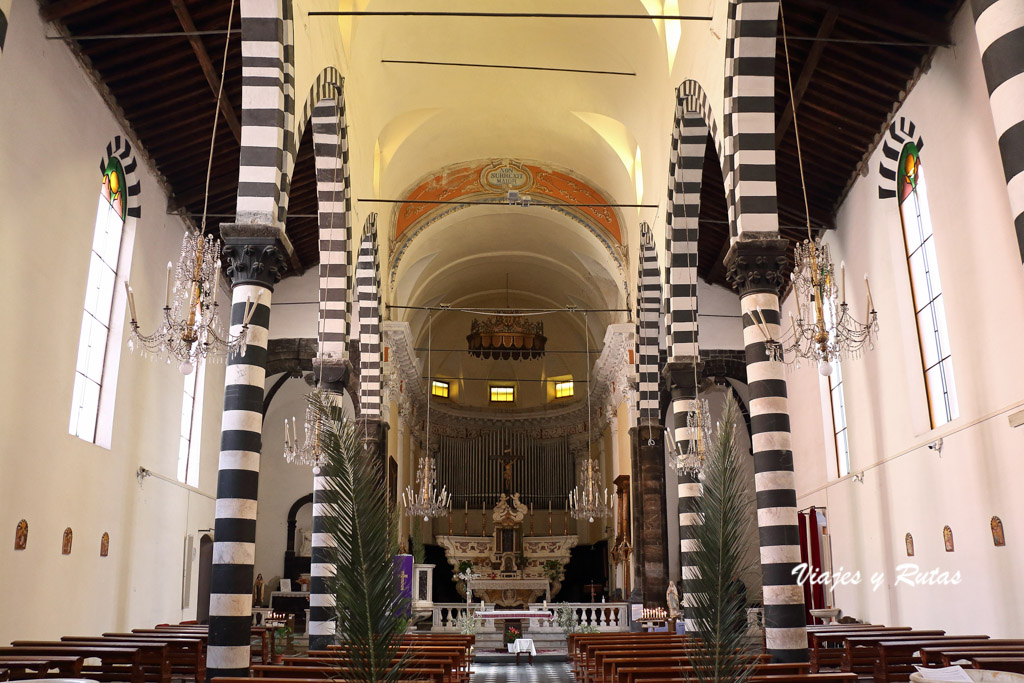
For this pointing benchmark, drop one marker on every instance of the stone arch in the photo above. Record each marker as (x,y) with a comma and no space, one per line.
(367,295)
(122,149)
(648,307)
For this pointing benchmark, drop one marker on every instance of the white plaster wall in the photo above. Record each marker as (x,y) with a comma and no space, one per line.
(56,129)
(908,488)
(719,319)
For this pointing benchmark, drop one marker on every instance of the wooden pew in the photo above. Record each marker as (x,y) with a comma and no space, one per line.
(826,646)
(156,664)
(646,670)
(946,656)
(184,654)
(1011,664)
(456,655)
(894,660)
(264,633)
(293,674)
(587,649)
(601,659)
(861,651)
(831,677)
(66,666)
(116,663)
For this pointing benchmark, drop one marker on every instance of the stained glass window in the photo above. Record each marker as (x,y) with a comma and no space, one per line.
(926,287)
(99,298)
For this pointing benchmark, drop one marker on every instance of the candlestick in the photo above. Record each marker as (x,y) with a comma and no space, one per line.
(531,519)
(483,519)
(550,533)
(131,300)
(167,295)
(216,282)
(465,520)
(842,281)
(565,521)
(867,286)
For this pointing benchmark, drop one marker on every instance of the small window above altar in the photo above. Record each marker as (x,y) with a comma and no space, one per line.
(564,388)
(502,393)
(439,388)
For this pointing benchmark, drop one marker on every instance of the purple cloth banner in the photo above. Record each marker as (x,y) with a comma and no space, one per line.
(403,575)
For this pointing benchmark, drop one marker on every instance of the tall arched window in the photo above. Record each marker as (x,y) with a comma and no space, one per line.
(926,287)
(99,297)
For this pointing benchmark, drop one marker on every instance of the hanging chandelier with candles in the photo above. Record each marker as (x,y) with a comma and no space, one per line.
(424,500)
(191,330)
(589,500)
(824,330)
(691,459)
(308,452)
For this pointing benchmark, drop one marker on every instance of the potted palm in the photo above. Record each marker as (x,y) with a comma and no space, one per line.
(363,533)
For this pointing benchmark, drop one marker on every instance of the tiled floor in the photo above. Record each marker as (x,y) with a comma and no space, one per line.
(524,673)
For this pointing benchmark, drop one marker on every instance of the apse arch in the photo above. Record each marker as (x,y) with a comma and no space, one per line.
(491,181)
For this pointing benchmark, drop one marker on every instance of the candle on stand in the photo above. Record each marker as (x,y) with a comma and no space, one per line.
(565,521)
(216,281)
(483,519)
(792,322)
(167,295)
(867,286)
(549,519)
(465,520)
(131,300)
(842,281)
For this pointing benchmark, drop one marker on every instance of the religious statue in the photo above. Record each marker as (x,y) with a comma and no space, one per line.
(672,600)
(910,545)
(21,535)
(104,544)
(65,546)
(305,548)
(257,591)
(947,537)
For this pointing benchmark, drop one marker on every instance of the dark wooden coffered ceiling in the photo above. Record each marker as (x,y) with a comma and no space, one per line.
(166,90)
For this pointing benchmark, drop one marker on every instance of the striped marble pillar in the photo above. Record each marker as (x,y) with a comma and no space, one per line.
(682,384)
(254,266)
(755,266)
(1000,28)
(5,12)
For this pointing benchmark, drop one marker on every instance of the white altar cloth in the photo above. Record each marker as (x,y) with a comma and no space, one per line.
(522,646)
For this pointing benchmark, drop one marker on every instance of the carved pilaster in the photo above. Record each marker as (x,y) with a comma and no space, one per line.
(254,261)
(757,264)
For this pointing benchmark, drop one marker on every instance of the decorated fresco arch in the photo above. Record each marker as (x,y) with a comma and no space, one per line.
(500,182)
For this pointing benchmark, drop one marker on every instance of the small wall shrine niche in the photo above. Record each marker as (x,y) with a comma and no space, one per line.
(21,535)
(998,537)
(910,545)
(947,538)
(104,544)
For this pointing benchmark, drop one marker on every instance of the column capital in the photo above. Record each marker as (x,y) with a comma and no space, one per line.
(683,376)
(757,264)
(332,373)
(254,259)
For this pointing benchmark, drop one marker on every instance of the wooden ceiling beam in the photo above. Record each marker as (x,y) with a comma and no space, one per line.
(913,24)
(828,23)
(207,65)
(59,9)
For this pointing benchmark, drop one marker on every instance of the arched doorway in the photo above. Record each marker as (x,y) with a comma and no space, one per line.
(205,570)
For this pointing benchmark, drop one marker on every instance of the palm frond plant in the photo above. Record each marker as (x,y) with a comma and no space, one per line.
(372,612)
(717,605)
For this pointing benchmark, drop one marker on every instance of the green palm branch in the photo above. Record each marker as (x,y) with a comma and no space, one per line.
(363,534)
(717,605)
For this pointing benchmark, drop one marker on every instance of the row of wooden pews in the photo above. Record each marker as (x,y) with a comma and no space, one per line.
(436,657)
(665,658)
(888,654)
(149,655)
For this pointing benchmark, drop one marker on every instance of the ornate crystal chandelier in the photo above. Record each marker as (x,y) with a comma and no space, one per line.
(425,500)
(824,331)
(191,328)
(589,499)
(308,452)
(691,460)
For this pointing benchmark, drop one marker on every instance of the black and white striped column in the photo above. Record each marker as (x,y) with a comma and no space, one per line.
(331,155)
(254,266)
(263,116)
(749,116)
(683,387)
(5,11)
(368,300)
(1000,28)
(755,267)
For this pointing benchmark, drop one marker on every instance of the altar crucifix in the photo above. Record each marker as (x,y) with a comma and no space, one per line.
(507,458)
